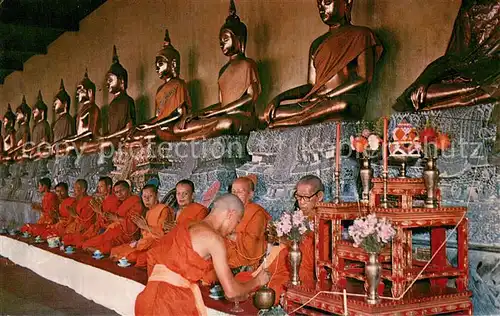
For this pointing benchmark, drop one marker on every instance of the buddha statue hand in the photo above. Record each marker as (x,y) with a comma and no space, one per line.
(418,96)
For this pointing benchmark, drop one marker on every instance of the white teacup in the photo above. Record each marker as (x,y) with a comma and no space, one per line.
(69,249)
(123,261)
(53,242)
(97,253)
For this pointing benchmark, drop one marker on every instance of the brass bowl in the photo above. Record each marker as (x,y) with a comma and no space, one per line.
(264,298)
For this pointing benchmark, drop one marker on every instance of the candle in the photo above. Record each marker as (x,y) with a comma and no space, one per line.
(345,303)
(337,149)
(384,145)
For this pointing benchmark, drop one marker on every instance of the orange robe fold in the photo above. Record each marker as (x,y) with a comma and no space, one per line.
(83,220)
(109,205)
(193,212)
(250,244)
(50,204)
(121,231)
(65,219)
(175,251)
(155,218)
(170,96)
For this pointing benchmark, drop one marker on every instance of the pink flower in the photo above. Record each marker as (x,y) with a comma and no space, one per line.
(298,218)
(365,133)
(373,142)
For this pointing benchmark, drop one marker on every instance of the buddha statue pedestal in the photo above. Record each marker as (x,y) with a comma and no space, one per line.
(281,157)
(91,167)
(203,162)
(148,163)
(4,172)
(26,173)
(63,168)
(12,181)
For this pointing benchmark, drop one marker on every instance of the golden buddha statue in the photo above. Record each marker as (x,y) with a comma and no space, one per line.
(41,134)
(23,117)
(88,119)
(341,66)
(172,98)
(122,108)
(469,71)
(8,131)
(239,88)
(64,123)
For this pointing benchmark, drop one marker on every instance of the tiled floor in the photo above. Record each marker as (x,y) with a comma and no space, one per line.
(23,292)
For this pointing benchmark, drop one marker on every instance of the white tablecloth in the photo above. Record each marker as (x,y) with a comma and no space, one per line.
(112,291)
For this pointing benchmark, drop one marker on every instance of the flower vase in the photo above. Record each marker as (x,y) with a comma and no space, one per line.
(372,274)
(295,258)
(365,174)
(431,176)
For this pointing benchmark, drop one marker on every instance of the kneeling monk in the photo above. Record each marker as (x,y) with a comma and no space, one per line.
(151,226)
(48,208)
(122,229)
(184,255)
(65,203)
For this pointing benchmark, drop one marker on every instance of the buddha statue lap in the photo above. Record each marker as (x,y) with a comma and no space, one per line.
(172,98)
(122,107)
(239,88)
(341,67)
(469,71)
(88,119)
(41,135)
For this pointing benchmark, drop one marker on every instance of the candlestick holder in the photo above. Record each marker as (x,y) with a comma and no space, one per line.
(337,186)
(384,202)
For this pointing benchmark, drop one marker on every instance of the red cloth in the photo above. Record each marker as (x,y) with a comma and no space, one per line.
(84,219)
(50,204)
(65,219)
(110,204)
(176,252)
(119,232)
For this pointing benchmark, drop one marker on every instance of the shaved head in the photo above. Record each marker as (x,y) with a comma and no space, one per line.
(313,181)
(228,202)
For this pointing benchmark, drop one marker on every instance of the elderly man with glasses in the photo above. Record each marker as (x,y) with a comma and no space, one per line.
(309,191)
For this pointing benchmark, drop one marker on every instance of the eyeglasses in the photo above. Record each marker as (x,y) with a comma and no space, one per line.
(304,197)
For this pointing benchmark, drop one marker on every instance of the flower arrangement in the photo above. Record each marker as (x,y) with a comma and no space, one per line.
(293,225)
(371,233)
(433,141)
(368,141)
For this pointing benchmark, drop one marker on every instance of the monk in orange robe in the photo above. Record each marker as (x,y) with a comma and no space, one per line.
(309,192)
(48,208)
(247,245)
(122,229)
(82,213)
(151,226)
(104,202)
(184,255)
(65,218)
(188,211)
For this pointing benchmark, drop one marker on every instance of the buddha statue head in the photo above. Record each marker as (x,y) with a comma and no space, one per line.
(23,112)
(40,108)
(117,76)
(168,60)
(62,101)
(9,120)
(85,90)
(233,34)
(333,12)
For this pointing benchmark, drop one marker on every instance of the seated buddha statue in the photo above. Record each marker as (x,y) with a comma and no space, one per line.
(122,108)
(8,131)
(239,88)
(23,134)
(88,119)
(41,134)
(64,123)
(172,97)
(469,71)
(341,67)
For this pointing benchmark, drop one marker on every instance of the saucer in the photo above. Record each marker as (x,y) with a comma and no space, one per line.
(216,297)
(39,241)
(55,246)
(97,257)
(124,265)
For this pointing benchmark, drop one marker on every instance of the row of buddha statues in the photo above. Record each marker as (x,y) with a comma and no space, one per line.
(341,68)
